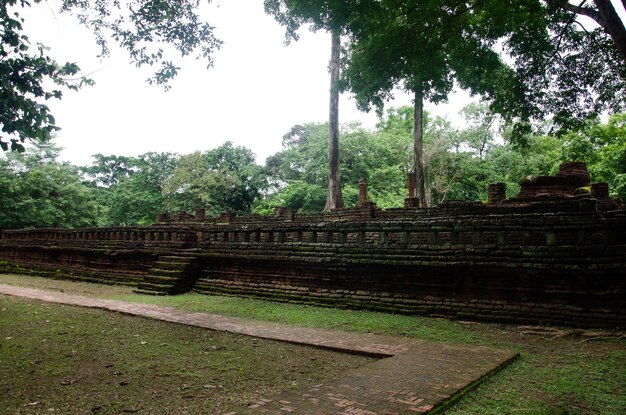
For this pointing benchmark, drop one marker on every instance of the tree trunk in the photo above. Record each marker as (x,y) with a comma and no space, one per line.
(418,147)
(613,25)
(334,199)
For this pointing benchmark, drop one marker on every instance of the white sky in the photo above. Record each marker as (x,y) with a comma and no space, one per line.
(256,91)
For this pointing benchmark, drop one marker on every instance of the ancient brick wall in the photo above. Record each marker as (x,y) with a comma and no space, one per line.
(105,255)
(562,268)
(557,262)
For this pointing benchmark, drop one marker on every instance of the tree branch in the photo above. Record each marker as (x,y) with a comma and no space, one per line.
(585,11)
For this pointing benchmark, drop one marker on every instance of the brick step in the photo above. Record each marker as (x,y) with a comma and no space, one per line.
(158,279)
(170,265)
(173,273)
(170,275)
(176,259)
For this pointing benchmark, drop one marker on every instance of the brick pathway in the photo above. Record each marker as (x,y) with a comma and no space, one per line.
(416,376)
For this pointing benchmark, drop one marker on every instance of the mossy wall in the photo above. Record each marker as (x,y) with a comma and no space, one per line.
(553,262)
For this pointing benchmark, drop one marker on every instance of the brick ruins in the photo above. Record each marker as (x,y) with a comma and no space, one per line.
(555,254)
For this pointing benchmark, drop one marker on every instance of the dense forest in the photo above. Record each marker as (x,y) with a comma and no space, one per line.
(40,191)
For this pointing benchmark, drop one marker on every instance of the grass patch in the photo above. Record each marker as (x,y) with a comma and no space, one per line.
(553,377)
(65,359)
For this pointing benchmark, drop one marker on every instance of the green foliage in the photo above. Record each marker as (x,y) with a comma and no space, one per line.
(299,171)
(220,180)
(603,148)
(459,163)
(108,171)
(138,199)
(145,27)
(129,189)
(555,65)
(38,191)
(297,195)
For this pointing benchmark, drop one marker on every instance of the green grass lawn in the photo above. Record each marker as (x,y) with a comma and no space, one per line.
(558,376)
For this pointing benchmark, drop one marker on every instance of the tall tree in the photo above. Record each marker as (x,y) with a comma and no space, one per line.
(418,146)
(142,27)
(392,48)
(293,14)
(334,198)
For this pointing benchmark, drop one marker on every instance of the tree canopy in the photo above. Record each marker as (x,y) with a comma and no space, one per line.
(529,60)
(39,191)
(459,163)
(219,180)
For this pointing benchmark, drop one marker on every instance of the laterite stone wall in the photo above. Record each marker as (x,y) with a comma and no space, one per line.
(563,263)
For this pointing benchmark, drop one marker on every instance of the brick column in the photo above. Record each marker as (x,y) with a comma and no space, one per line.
(200,214)
(362,193)
(411,201)
(496,193)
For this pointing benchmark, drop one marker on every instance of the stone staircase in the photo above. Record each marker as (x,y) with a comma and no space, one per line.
(170,275)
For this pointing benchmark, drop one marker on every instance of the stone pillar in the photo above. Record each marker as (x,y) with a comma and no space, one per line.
(279,211)
(362,193)
(226,217)
(288,215)
(200,214)
(600,190)
(162,217)
(410,184)
(411,201)
(497,193)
